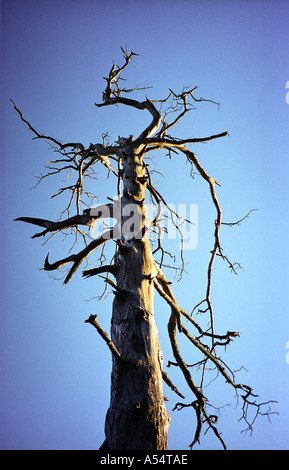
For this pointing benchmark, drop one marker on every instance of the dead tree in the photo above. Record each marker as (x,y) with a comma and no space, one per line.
(137,417)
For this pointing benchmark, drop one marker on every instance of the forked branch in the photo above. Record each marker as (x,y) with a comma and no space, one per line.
(78,258)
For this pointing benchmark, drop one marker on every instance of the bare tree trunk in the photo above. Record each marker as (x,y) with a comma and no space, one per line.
(137,418)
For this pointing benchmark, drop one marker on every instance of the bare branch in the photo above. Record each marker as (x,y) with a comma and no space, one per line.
(226,339)
(37,134)
(93,321)
(101,269)
(148,105)
(179,104)
(113,96)
(51,226)
(179,143)
(170,384)
(115,72)
(258,411)
(199,404)
(177,314)
(77,259)
(217,246)
(239,221)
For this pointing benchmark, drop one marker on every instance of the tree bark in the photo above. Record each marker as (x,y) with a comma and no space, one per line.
(137,418)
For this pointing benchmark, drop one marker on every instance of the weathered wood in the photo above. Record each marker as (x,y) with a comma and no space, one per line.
(137,418)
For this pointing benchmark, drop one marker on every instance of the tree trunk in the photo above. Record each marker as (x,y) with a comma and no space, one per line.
(137,418)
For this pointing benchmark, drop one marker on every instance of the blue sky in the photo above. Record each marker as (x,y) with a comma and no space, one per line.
(55,370)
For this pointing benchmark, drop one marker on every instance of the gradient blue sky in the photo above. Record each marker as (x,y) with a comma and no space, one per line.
(55,369)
